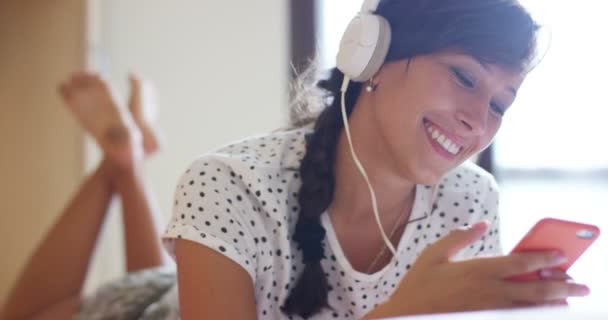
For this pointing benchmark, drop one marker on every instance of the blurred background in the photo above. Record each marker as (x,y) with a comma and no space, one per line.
(222,70)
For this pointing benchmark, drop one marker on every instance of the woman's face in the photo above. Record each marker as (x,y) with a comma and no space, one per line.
(439,110)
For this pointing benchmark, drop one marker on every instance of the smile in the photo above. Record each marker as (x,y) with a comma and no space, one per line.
(441,140)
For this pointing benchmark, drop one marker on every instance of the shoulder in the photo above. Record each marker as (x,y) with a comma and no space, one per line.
(240,199)
(261,171)
(467,194)
(255,178)
(469,178)
(274,151)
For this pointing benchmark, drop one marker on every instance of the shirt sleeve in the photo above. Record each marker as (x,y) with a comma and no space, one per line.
(210,208)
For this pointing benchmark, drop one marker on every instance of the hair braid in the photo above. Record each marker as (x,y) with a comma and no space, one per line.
(309,295)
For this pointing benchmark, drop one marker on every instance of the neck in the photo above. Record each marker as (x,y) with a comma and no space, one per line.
(352,201)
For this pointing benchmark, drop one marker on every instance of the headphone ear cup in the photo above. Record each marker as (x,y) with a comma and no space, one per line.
(380,51)
(364,46)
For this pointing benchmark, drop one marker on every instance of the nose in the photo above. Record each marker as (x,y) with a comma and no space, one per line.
(473,119)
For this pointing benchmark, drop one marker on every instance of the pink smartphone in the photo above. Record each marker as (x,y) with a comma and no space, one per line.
(569,237)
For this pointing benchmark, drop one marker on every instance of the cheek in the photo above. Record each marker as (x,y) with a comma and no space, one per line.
(447,97)
(490,134)
(493,127)
(396,112)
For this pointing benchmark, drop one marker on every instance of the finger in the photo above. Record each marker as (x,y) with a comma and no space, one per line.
(524,262)
(562,302)
(550,303)
(544,291)
(554,274)
(458,239)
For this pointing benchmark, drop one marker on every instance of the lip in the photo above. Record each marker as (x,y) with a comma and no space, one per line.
(438,148)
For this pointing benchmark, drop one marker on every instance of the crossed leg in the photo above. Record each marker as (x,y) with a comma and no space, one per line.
(50,285)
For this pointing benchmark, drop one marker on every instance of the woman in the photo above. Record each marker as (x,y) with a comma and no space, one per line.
(283,226)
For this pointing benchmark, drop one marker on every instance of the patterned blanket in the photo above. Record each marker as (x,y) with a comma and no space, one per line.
(143,295)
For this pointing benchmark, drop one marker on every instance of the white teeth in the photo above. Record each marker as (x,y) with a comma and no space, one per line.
(454,149)
(445,142)
(435,134)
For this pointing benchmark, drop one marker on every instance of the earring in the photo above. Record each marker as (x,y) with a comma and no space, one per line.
(371,86)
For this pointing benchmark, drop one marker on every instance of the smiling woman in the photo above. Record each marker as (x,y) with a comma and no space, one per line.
(280,223)
(291,224)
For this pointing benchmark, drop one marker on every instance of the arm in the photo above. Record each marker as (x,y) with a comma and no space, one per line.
(211,286)
(435,284)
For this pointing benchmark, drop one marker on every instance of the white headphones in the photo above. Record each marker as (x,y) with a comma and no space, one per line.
(364,44)
(363,48)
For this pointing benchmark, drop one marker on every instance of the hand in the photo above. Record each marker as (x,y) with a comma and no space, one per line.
(436,284)
(554,274)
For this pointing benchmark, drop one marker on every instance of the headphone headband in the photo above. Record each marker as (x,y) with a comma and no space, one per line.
(364,44)
(369,6)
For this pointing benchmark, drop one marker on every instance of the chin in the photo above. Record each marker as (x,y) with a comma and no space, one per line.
(429,172)
(428,177)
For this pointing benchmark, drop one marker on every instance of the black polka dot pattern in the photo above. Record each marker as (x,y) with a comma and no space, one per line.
(241,201)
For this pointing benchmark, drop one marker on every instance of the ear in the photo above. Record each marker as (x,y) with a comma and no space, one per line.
(386,73)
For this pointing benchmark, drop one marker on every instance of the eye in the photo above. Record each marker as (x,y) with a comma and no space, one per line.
(498,108)
(463,78)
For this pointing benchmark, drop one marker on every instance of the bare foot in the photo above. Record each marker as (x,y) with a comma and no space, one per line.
(144,109)
(89,98)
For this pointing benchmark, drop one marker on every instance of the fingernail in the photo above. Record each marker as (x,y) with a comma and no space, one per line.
(479,225)
(582,290)
(546,273)
(559,258)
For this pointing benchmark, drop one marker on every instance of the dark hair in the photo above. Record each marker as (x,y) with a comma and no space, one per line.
(497,32)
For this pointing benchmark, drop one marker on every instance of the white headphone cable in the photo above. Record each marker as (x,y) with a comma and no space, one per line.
(343,89)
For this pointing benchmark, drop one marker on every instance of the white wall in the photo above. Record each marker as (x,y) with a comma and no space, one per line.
(561,108)
(220,68)
(334,17)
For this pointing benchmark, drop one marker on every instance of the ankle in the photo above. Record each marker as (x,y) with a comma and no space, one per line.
(106,171)
(120,173)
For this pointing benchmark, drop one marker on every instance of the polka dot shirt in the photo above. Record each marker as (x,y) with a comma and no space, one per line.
(241,201)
